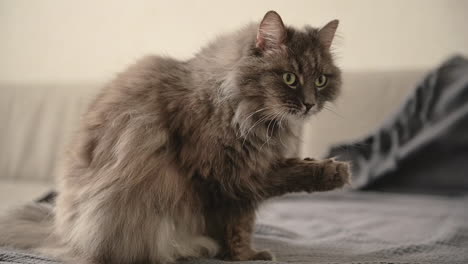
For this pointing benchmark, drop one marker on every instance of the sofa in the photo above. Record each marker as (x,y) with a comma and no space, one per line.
(37,121)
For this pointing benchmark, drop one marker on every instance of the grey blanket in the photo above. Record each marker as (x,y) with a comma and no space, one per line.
(423,146)
(352,227)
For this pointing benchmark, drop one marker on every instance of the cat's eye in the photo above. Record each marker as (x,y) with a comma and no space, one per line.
(290,79)
(321,81)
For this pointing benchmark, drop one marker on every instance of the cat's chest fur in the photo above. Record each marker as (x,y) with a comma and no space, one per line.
(213,146)
(206,137)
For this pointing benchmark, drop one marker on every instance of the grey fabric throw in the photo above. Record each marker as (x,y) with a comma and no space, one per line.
(351,227)
(423,146)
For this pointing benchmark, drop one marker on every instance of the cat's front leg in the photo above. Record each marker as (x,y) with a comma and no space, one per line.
(237,238)
(295,175)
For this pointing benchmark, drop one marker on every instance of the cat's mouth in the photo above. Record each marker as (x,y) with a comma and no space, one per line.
(302,113)
(296,112)
(305,110)
(312,111)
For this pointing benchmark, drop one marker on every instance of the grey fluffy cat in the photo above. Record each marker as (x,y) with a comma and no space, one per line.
(173,157)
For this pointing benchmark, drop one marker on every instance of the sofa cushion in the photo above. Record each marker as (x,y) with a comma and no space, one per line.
(14,193)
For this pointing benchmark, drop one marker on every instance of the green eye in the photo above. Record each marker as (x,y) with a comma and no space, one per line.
(321,81)
(290,79)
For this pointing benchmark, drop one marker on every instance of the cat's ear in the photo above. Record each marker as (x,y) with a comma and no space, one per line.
(327,33)
(271,33)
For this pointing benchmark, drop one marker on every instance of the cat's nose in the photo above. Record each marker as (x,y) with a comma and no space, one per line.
(308,106)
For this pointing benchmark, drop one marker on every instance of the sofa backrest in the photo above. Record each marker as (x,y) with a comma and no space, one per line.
(37,121)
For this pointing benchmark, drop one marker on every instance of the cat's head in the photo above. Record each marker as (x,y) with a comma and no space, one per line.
(290,73)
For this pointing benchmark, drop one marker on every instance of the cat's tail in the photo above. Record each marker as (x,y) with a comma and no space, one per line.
(28,227)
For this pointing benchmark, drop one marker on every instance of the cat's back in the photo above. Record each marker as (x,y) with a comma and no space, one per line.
(140,90)
(148,77)
(127,110)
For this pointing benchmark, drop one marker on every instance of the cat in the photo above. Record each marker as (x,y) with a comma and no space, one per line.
(173,157)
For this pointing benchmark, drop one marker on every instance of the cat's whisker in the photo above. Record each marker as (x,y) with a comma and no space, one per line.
(253,126)
(241,125)
(268,137)
(261,109)
(332,111)
(257,111)
(273,116)
(251,114)
(280,122)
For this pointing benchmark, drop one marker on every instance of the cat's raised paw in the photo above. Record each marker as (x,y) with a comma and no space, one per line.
(335,174)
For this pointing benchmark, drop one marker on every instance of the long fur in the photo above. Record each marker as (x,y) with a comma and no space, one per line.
(173,157)
(27,227)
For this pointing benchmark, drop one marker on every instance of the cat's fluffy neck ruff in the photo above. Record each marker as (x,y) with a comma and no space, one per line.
(216,67)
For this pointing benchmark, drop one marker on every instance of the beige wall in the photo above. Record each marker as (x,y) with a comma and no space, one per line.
(87,40)
(65,42)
